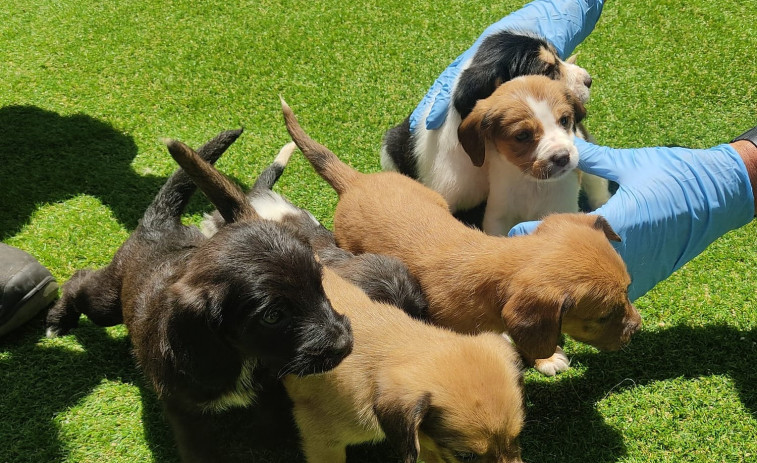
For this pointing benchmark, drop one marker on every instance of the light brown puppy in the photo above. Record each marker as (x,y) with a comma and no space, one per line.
(565,276)
(430,392)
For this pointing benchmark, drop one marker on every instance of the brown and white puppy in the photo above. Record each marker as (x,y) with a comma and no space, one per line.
(565,276)
(382,278)
(432,393)
(439,159)
(210,320)
(522,138)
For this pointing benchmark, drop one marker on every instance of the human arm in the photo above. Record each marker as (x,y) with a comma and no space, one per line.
(671,203)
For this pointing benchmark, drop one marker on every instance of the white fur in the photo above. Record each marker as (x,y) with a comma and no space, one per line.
(557,363)
(512,197)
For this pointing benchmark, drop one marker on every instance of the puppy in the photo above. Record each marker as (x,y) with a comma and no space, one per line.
(431,393)
(522,135)
(382,278)
(565,276)
(211,320)
(438,159)
(425,389)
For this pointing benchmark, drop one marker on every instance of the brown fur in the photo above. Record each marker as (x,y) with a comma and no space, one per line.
(430,392)
(505,115)
(566,275)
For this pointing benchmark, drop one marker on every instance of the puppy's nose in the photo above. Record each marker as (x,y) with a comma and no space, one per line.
(341,345)
(587,81)
(561,158)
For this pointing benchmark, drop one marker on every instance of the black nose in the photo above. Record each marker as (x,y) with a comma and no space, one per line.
(560,159)
(341,346)
(587,82)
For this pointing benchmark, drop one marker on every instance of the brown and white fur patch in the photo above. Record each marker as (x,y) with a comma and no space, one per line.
(565,276)
(520,143)
(432,393)
(438,159)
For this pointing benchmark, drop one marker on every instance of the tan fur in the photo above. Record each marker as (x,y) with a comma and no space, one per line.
(411,383)
(566,275)
(500,118)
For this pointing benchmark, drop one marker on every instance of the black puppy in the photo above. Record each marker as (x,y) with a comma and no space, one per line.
(211,320)
(383,278)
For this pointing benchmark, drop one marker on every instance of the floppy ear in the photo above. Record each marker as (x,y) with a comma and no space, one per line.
(602,224)
(474,131)
(400,420)
(192,336)
(534,322)
(579,110)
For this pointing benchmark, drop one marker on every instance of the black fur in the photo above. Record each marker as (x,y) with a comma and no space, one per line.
(383,278)
(399,144)
(204,313)
(500,57)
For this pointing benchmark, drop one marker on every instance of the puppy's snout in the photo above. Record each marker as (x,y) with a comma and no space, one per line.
(341,336)
(587,81)
(632,326)
(561,159)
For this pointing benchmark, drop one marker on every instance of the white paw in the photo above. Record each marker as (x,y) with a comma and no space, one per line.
(557,363)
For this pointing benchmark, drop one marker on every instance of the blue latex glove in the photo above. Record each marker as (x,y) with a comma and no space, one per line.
(564,23)
(670,205)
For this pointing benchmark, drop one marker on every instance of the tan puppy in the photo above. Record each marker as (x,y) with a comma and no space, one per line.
(566,275)
(430,392)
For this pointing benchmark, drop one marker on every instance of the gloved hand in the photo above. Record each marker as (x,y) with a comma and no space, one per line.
(670,205)
(564,23)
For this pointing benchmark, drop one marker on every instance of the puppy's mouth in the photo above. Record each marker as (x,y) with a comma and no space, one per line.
(546,171)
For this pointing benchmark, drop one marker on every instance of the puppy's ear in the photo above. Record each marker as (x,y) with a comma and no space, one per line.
(400,417)
(192,332)
(579,110)
(602,224)
(534,322)
(474,131)
(572,59)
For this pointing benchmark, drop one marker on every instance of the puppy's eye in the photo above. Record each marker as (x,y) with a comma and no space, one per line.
(564,121)
(605,318)
(466,457)
(272,317)
(524,136)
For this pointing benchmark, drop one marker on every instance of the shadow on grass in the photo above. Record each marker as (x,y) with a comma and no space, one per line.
(563,424)
(37,383)
(47,158)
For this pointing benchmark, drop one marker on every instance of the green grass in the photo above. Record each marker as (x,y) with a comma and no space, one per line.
(87,89)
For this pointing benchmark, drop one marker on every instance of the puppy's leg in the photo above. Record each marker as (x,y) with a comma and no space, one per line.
(94,293)
(320,443)
(497,221)
(194,435)
(557,363)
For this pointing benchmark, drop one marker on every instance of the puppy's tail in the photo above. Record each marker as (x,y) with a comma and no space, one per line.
(326,163)
(271,174)
(225,195)
(172,199)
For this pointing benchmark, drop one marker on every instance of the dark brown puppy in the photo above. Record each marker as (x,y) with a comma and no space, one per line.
(382,278)
(427,390)
(210,319)
(565,276)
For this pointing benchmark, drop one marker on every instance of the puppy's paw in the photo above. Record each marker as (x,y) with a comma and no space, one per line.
(557,363)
